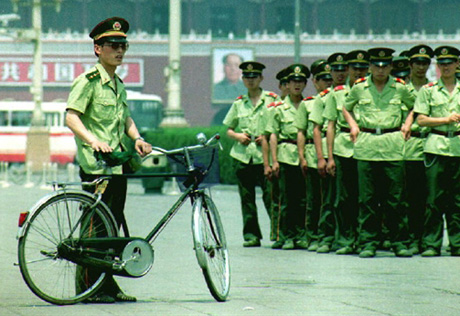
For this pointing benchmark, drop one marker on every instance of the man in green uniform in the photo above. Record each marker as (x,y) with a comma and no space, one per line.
(282,77)
(379,142)
(246,121)
(438,107)
(306,149)
(340,163)
(419,61)
(327,223)
(98,115)
(283,147)
(273,181)
(400,68)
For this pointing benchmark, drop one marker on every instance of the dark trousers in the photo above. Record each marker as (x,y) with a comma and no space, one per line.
(415,190)
(381,185)
(275,215)
(327,222)
(115,197)
(346,201)
(249,176)
(315,197)
(443,181)
(293,202)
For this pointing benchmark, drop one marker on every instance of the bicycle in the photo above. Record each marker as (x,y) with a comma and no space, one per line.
(72,229)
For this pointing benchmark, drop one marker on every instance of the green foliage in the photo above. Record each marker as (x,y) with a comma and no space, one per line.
(170,138)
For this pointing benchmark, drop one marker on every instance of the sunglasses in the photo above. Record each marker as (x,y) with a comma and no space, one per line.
(116,46)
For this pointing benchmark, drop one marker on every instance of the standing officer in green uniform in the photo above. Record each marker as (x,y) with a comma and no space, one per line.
(98,115)
(341,163)
(419,60)
(282,77)
(246,121)
(273,181)
(327,223)
(283,147)
(306,149)
(379,143)
(400,68)
(438,106)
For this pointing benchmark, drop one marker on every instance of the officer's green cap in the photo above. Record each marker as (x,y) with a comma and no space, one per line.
(337,61)
(357,59)
(380,56)
(446,54)
(422,53)
(298,72)
(401,67)
(113,29)
(251,69)
(404,53)
(457,72)
(282,75)
(321,70)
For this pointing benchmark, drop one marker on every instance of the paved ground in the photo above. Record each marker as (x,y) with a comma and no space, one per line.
(264,281)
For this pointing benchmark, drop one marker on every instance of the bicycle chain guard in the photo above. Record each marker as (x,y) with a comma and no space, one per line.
(137,258)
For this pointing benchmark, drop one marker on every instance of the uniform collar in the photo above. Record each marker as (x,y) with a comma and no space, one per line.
(105,77)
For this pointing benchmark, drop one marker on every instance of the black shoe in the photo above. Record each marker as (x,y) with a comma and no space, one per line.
(100,299)
(403,252)
(252,243)
(278,244)
(122,297)
(430,252)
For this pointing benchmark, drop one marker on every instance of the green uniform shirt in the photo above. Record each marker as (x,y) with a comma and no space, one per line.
(282,124)
(434,100)
(303,123)
(379,110)
(343,146)
(413,148)
(317,115)
(244,117)
(104,113)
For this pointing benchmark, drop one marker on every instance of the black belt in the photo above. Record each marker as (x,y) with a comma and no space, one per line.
(418,134)
(446,134)
(345,129)
(289,141)
(309,141)
(379,131)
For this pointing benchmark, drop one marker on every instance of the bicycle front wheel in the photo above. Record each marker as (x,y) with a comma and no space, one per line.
(211,247)
(62,218)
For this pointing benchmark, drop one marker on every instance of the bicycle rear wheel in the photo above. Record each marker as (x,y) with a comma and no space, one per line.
(211,247)
(64,216)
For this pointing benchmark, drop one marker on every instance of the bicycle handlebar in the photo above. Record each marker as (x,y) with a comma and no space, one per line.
(213,141)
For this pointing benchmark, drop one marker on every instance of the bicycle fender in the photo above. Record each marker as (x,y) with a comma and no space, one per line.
(54,194)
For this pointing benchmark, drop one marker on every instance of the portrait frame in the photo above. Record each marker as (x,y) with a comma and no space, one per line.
(218,73)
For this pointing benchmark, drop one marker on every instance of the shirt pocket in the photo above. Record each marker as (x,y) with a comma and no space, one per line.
(244,121)
(288,125)
(104,109)
(438,109)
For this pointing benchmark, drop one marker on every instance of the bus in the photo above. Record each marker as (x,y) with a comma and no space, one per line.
(15,120)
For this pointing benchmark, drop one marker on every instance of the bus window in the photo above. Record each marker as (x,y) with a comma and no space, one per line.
(22,118)
(4,118)
(52,119)
(146,113)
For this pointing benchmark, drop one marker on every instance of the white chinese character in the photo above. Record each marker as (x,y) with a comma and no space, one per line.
(64,72)
(10,70)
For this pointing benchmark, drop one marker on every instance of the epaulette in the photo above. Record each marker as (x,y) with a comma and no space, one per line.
(273,95)
(430,84)
(274,104)
(240,97)
(312,97)
(91,76)
(400,80)
(338,88)
(360,80)
(324,92)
